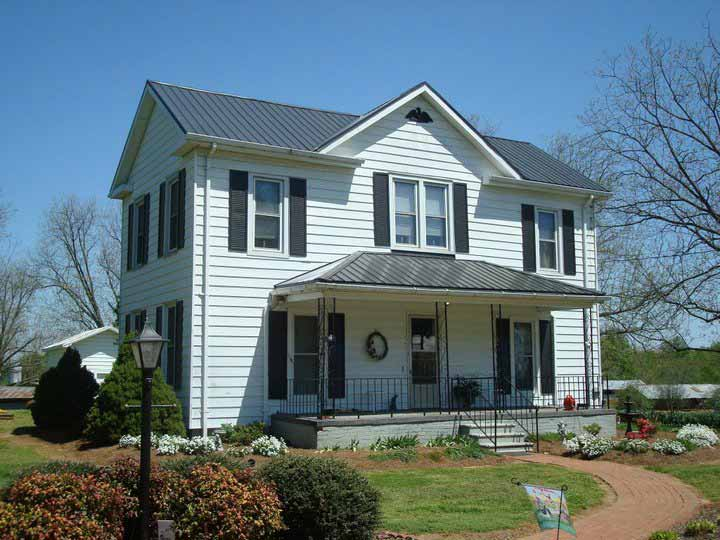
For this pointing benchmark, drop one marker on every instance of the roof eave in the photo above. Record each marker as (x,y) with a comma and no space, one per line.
(533,185)
(195,140)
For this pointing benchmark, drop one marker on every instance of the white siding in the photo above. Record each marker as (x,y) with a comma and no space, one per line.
(340,222)
(98,353)
(169,278)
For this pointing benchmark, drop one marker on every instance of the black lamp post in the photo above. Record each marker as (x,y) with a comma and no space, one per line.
(146,349)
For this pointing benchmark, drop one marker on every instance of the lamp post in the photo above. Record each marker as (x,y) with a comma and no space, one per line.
(146,349)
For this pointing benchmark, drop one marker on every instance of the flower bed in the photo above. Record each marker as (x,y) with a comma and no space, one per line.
(169,445)
(698,435)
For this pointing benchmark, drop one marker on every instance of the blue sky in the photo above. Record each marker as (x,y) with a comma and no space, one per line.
(73,72)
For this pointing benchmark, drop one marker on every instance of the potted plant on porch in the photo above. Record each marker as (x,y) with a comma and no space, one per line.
(465,391)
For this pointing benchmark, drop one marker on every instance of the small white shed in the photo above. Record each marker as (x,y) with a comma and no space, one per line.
(97,348)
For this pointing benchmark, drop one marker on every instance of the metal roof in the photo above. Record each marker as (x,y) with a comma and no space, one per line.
(67,342)
(535,164)
(410,270)
(252,120)
(16,393)
(249,120)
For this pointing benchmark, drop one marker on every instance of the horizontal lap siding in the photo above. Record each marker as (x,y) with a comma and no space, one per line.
(339,222)
(168,278)
(98,352)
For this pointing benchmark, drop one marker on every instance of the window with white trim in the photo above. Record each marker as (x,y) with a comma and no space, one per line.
(268,194)
(548,241)
(421,217)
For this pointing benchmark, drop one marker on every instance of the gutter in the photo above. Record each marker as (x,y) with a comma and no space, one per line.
(205,292)
(504,181)
(232,145)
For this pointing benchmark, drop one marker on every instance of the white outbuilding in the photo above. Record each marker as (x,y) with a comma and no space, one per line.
(97,348)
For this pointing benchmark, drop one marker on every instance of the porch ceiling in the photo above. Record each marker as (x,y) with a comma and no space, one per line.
(369,273)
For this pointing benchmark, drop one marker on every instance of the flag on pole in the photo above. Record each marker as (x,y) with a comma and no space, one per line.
(551,508)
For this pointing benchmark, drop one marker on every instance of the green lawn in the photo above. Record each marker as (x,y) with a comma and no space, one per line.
(706,478)
(456,500)
(14,457)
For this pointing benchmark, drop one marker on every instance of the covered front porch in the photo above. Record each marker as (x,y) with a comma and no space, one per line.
(389,334)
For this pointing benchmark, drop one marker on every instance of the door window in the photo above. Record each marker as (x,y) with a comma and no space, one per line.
(306,355)
(523,356)
(424,351)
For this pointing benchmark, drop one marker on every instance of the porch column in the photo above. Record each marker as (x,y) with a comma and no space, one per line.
(322,356)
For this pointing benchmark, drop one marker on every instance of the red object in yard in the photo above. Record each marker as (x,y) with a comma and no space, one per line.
(569,403)
(645,429)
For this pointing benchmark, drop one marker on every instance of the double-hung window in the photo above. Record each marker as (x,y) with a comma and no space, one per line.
(421,211)
(548,240)
(268,224)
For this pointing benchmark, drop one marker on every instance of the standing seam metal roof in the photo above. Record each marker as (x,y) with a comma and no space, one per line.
(432,272)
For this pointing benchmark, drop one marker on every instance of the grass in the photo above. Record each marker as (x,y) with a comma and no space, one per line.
(472,500)
(12,456)
(705,478)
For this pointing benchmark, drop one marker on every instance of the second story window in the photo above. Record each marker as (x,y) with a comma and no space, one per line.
(547,240)
(174,215)
(420,215)
(268,214)
(140,232)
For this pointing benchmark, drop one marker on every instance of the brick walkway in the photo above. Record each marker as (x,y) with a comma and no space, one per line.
(644,501)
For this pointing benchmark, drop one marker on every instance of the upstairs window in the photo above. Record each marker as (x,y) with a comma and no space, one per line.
(421,215)
(548,242)
(268,197)
(174,215)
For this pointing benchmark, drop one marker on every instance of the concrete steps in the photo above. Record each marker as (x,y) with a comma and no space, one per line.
(510,438)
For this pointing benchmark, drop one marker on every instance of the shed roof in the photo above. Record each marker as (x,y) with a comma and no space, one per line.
(69,341)
(412,271)
(16,393)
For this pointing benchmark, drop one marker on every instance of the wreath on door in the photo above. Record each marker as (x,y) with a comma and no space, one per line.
(376,346)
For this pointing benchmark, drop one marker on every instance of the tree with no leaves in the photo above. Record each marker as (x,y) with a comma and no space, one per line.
(77,260)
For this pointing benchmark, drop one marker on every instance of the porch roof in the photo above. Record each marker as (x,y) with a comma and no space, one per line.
(438,274)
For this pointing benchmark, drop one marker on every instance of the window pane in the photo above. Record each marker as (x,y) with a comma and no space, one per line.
(548,255)
(404,197)
(523,356)
(435,234)
(405,229)
(267,232)
(306,374)
(546,225)
(306,338)
(267,197)
(435,201)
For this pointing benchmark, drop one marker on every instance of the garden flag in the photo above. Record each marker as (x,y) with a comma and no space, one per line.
(551,508)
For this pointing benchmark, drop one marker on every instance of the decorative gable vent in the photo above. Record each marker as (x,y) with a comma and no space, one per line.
(419,116)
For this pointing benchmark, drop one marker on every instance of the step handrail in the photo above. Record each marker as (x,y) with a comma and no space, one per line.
(518,398)
(471,413)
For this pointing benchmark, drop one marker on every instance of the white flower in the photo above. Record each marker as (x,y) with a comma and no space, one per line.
(634,446)
(588,445)
(572,445)
(129,441)
(668,447)
(699,435)
(169,445)
(269,446)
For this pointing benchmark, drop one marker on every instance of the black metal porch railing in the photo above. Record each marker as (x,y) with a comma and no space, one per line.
(589,392)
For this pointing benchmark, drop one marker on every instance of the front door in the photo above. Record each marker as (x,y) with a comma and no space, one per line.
(423,363)
(523,358)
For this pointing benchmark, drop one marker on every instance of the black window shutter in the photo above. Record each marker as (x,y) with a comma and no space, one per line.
(161,222)
(159,326)
(238,211)
(277,355)
(171,347)
(502,329)
(298,217)
(568,228)
(178,368)
(460,218)
(131,218)
(128,324)
(181,210)
(146,228)
(381,208)
(547,360)
(528,238)
(336,363)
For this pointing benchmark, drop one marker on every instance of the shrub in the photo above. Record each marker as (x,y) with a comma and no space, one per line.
(51,467)
(64,394)
(184,465)
(593,429)
(668,447)
(471,450)
(638,399)
(700,527)
(444,441)
(324,498)
(67,495)
(394,443)
(680,418)
(632,446)
(109,419)
(698,435)
(19,522)
(588,445)
(213,502)
(269,446)
(242,434)
(664,535)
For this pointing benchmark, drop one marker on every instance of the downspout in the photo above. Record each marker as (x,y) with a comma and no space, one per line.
(587,318)
(205,289)
(597,310)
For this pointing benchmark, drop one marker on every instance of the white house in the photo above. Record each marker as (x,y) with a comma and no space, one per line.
(97,347)
(306,262)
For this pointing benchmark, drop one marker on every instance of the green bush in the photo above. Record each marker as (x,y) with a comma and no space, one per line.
(323,498)
(242,434)
(53,467)
(664,535)
(638,399)
(184,465)
(471,450)
(109,419)
(20,522)
(680,418)
(395,443)
(593,429)
(64,394)
(700,527)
